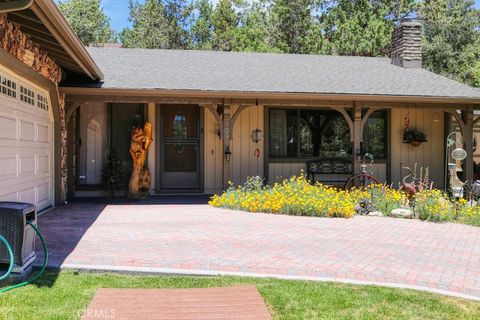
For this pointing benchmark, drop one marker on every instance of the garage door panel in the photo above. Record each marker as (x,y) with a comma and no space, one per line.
(8,127)
(43,133)
(8,195)
(8,167)
(27,165)
(27,131)
(26,137)
(28,195)
(43,164)
(43,194)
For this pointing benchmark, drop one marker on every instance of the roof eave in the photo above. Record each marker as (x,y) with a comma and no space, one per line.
(268,95)
(54,21)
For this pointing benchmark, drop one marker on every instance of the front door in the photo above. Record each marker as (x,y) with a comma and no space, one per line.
(180,147)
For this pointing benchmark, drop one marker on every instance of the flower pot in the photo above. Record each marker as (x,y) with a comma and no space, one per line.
(415,143)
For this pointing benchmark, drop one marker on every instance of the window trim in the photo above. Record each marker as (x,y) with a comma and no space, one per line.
(297,158)
(386,116)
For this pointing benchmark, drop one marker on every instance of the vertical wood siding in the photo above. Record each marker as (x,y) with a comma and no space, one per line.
(213,154)
(429,154)
(244,162)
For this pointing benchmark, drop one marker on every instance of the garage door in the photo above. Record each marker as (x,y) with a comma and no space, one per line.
(26,153)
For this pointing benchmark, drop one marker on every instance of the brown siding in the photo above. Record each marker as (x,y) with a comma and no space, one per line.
(429,154)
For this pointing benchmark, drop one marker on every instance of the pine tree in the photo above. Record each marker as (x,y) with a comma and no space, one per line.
(87,19)
(157,24)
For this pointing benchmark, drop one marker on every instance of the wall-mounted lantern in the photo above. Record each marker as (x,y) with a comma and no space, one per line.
(228,154)
(256,136)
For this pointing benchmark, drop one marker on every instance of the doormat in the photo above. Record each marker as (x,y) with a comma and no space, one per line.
(232,303)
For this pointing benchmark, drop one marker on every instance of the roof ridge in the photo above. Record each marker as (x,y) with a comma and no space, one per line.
(286,54)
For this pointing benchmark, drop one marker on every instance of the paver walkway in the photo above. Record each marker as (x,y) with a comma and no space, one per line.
(198,239)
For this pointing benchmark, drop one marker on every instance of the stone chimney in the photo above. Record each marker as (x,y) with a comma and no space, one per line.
(407,44)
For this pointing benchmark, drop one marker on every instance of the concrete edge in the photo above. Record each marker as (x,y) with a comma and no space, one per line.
(193,272)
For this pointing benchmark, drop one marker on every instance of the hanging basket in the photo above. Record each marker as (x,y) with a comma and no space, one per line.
(416,143)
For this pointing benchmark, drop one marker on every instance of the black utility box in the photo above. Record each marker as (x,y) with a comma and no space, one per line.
(20,235)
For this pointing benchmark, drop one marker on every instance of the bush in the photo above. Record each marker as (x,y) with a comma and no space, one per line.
(296,196)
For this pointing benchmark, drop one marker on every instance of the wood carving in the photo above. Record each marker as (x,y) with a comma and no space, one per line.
(18,44)
(141,138)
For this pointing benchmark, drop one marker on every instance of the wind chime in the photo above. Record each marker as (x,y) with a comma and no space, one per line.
(256,137)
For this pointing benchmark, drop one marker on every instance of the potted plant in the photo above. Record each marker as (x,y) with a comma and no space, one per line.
(112,173)
(414,137)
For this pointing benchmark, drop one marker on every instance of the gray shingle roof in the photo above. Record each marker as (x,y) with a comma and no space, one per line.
(266,72)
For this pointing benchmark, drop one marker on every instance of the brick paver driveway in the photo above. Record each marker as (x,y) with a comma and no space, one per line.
(198,239)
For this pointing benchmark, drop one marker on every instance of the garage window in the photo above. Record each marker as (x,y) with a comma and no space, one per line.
(42,102)
(27,95)
(8,87)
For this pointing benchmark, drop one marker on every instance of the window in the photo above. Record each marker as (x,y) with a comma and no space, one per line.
(8,87)
(27,95)
(42,102)
(375,135)
(308,134)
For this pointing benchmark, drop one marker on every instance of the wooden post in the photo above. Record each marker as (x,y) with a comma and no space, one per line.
(152,154)
(467,117)
(357,138)
(227,136)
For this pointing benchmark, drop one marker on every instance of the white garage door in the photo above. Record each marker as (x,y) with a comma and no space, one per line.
(26,152)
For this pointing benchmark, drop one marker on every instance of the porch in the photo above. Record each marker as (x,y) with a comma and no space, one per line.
(230,139)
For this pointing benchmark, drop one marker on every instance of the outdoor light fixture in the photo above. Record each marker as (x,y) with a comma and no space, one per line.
(228,154)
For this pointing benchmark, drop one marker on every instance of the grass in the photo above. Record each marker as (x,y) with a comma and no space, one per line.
(65,295)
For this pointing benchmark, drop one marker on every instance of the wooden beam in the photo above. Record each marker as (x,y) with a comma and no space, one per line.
(145,99)
(459,119)
(365,118)
(467,117)
(213,110)
(227,132)
(305,103)
(357,137)
(347,118)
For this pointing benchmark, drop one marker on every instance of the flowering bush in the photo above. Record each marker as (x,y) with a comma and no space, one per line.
(296,196)
(433,205)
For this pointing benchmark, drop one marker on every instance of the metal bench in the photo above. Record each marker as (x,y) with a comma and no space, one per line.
(334,172)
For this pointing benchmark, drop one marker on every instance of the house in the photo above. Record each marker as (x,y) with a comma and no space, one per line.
(216,116)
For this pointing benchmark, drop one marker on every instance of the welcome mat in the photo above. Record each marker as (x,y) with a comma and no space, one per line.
(232,303)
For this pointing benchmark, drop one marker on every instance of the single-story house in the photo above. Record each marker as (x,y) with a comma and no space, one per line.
(216,116)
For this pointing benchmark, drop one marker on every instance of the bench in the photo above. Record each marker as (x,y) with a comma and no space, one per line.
(334,172)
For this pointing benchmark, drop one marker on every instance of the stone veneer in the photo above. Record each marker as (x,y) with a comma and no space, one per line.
(407,44)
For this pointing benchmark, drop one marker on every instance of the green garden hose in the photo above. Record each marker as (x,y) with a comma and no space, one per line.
(10,253)
(42,270)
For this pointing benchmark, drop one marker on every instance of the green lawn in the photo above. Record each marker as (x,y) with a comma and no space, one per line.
(61,296)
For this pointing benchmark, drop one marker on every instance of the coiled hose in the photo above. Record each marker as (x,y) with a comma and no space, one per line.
(38,275)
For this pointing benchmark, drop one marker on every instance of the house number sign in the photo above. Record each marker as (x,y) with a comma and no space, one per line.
(459,154)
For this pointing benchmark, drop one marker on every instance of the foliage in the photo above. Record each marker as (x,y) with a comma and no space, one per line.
(112,173)
(297,196)
(452,39)
(433,205)
(157,24)
(343,27)
(66,294)
(414,135)
(88,20)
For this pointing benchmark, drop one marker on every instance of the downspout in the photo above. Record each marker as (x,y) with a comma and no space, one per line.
(15,5)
